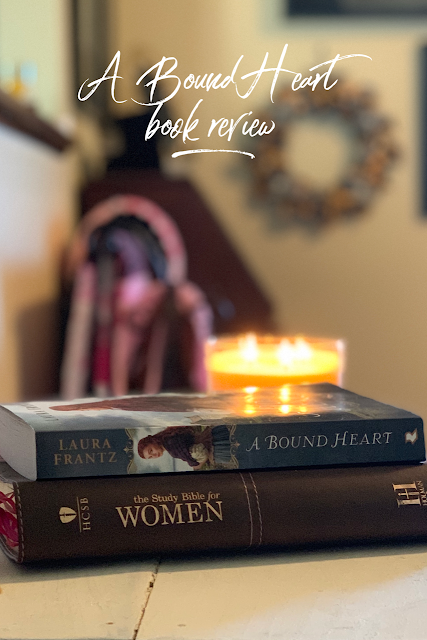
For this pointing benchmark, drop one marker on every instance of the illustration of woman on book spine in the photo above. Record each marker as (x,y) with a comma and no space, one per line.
(185,443)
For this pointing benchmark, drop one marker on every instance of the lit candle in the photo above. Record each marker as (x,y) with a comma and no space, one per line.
(235,362)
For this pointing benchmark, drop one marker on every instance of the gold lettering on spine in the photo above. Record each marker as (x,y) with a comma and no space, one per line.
(129,514)
(166,512)
(407,494)
(192,511)
(144,516)
(218,513)
(91,448)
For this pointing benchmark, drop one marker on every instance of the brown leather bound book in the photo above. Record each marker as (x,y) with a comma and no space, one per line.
(154,515)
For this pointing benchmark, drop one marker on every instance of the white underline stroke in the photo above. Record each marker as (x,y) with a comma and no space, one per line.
(183,153)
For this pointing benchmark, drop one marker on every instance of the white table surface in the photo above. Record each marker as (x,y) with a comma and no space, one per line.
(345,594)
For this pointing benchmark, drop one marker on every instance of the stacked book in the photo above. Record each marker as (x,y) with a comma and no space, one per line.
(179,473)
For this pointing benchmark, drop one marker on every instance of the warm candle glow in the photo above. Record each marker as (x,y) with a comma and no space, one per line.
(288,354)
(284,352)
(248,348)
(285,393)
(250,390)
(249,362)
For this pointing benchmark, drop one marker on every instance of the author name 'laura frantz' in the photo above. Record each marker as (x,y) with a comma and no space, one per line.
(84,451)
(340,439)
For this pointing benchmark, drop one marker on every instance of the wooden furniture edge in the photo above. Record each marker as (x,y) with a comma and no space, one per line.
(24,119)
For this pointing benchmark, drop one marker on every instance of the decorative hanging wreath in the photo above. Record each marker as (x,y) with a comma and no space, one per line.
(292,199)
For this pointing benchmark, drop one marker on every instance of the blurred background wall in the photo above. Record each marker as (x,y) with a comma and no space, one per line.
(38,200)
(363,279)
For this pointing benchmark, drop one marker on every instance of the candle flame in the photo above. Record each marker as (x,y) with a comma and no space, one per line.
(288,353)
(302,350)
(285,352)
(248,347)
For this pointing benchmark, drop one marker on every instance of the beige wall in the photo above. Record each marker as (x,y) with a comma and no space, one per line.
(365,279)
(37,32)
(37,204)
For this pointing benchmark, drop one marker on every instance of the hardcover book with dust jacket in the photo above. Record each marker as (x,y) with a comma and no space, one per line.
(291,426)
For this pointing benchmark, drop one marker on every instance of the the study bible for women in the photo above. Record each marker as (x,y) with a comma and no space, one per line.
(292,426)
(184,513)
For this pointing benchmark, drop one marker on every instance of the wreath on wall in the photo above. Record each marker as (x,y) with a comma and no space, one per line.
(293,199)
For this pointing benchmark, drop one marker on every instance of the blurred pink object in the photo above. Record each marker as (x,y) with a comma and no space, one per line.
(124,317)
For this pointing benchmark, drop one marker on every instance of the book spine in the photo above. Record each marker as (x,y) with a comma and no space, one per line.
(84,453)
(112,451)
(157,515)
(311,443)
